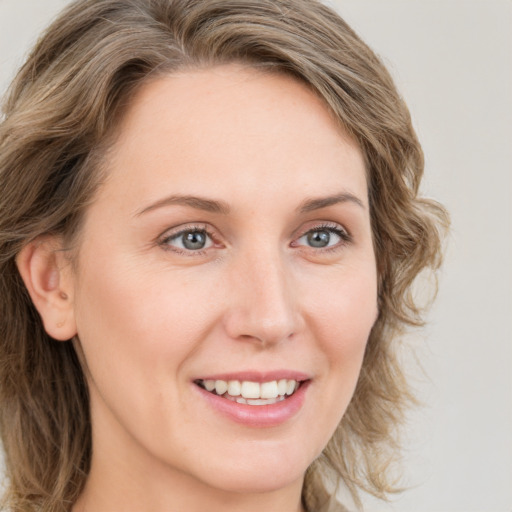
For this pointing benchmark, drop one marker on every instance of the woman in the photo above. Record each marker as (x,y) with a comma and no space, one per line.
(210,225)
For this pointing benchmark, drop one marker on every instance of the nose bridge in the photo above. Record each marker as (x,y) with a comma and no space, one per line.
(263,303)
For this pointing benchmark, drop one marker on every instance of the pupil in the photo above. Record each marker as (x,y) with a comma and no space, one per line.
(319,238)
(194,240)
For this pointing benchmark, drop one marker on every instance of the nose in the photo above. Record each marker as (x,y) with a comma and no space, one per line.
(263,301)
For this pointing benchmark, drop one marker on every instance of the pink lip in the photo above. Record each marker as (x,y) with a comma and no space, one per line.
(257,415)
(255,376)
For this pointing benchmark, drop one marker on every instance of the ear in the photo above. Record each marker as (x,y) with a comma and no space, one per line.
(47,274)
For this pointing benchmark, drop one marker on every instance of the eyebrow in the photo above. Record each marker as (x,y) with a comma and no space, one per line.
(199,203)
(310,205)
(215,206)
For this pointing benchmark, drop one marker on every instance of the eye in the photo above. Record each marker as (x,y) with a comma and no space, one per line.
(190,240)
(323,237)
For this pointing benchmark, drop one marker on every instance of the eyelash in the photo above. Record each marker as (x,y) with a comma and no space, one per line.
(199,228)
(345,237)
(164,241)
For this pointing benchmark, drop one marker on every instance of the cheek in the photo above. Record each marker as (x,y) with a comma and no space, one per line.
(138,332)
(345,305)
(137,319)
(342,317)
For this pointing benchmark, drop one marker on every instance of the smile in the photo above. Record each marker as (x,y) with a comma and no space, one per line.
(251,393)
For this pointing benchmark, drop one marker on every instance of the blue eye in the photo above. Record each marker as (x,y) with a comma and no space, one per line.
(323,237)
(190,240)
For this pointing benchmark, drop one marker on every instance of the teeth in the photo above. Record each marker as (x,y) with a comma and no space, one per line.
(258,401)
(252,393)
(234,388)
(290,387)
(250,389)
(221,386)
(281,387)
(209,385)
(269,389)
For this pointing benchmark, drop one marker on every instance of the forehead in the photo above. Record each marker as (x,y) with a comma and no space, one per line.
(220,124)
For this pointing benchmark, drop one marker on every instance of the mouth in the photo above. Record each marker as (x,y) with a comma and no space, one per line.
(249,392)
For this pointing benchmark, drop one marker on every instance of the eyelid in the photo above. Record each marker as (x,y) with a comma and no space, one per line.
(334,227)
(172,233)
(175,232)
(187,226)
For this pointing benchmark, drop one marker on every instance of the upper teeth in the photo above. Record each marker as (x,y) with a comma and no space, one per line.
(255,390)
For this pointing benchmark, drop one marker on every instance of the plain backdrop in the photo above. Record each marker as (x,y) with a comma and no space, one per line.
(452,61)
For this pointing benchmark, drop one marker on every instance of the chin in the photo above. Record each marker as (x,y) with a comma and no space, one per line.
(257,475)
(261,482)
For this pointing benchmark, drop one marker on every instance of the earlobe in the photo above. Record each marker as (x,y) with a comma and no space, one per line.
(46,272)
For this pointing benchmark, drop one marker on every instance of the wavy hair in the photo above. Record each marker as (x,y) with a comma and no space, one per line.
(58,117)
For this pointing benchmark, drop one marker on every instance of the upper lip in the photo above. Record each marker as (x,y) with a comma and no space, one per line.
(258,376)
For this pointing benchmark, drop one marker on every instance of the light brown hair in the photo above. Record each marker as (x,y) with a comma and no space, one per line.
(58,118)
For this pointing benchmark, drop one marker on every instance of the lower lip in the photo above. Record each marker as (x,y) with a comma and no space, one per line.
(270,415)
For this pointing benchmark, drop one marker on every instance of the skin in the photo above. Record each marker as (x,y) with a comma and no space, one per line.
(152,316)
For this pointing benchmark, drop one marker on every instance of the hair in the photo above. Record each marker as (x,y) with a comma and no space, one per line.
(58,117)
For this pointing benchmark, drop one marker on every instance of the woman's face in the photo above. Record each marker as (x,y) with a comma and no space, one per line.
(230,246)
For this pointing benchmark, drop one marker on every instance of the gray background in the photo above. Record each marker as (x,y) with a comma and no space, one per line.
(452,60)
